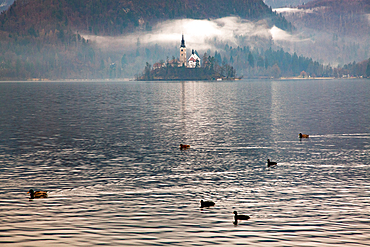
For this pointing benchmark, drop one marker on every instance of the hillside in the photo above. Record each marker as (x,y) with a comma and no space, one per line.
(361,69)
(335,32)
(346,17)
(110,17)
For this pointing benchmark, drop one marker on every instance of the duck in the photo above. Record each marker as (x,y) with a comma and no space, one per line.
(37,194)
(303,135)
(240,217)
(206,203)
(271,163)
(184,146)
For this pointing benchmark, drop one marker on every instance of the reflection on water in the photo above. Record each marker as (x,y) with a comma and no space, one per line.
(108,154)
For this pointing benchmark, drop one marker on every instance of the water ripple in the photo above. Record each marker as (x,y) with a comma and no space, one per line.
(107,153)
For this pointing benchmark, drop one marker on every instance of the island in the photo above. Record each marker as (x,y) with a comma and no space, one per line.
(188,69)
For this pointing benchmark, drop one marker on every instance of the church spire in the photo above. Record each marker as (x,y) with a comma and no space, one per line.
(183,42)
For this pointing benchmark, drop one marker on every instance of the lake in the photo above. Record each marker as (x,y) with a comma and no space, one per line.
(108,154)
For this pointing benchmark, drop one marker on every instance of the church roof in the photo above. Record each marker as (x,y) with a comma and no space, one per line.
(194,58)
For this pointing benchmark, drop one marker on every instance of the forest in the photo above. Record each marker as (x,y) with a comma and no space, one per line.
(361,69)
(110,17)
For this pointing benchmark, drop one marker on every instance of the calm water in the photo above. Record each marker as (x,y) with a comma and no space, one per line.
(108,154)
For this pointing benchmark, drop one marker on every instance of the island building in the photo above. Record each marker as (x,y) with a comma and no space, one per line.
(182,53)
(193,61)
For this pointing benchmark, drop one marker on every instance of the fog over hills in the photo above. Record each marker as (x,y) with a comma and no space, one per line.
(335,32)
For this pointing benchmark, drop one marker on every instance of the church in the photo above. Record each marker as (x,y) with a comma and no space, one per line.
(192,62)
(182,68)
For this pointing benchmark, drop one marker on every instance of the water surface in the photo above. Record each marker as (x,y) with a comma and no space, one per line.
(108,154)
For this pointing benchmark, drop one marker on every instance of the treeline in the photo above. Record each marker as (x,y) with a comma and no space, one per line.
(23,57)
(361,69)
(278,63)
(257,63)
(65,55)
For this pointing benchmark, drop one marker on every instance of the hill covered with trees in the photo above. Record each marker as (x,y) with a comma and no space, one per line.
(337,31)
(111,17)
(345,17)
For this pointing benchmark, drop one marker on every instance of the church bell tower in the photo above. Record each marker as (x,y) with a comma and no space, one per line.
(183,52)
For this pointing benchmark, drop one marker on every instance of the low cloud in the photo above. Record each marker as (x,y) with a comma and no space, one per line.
(289,11)
(214,34)
(281,35)
(368,17)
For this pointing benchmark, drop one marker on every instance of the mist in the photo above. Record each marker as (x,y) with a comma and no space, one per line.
(332,42)
(201,35)
(216,34)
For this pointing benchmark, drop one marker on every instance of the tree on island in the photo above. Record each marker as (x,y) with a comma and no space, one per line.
(147,70)
(276,71)
(368,69)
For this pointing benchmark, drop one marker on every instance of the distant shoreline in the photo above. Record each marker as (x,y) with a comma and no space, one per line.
(178,79)
(310,78)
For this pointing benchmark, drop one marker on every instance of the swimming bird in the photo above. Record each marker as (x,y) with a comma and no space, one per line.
(240,216)
(184,146)
(303,135)
(271,163)
(37,194)
(206,203)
